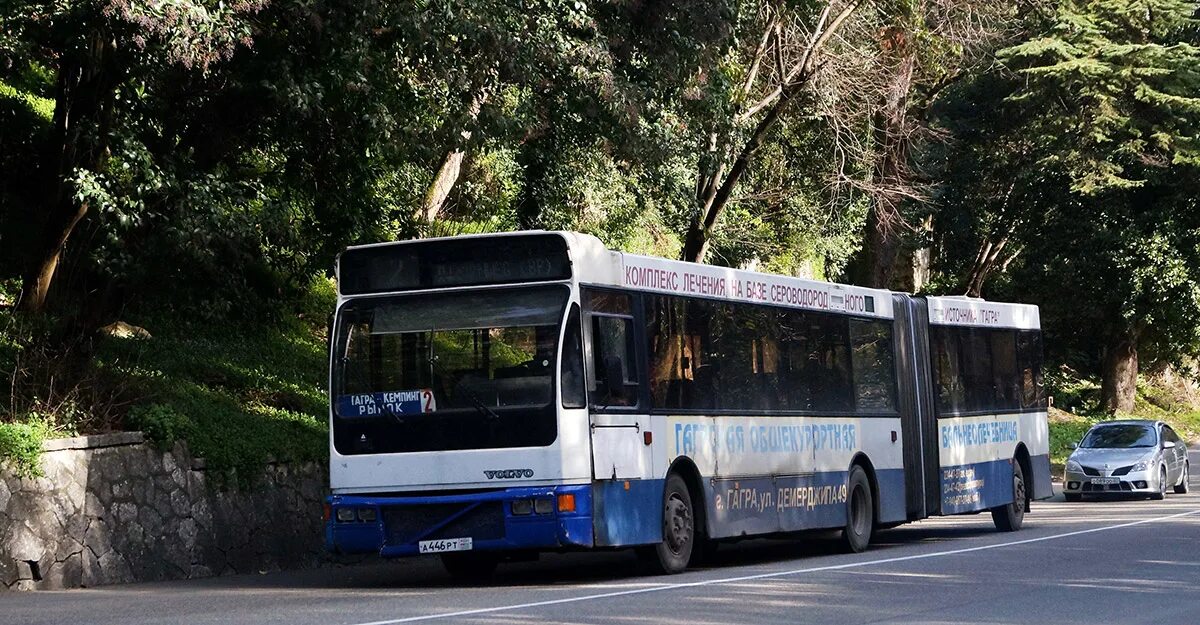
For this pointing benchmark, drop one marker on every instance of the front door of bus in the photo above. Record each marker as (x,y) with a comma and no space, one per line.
(918,420)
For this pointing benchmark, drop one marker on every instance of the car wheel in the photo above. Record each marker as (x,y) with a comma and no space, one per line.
(860,512)
(1072,497)
(470,567)
(1010,517)
(1182,487)
(1162,485)
(679,531)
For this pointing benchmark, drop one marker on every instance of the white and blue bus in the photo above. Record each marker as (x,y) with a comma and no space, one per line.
(496,396)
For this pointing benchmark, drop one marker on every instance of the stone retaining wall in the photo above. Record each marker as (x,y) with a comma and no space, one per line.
(112,509)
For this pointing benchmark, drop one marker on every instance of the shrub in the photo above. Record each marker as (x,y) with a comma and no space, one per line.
(21,445)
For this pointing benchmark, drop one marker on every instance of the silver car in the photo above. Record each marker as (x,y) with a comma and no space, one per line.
(1130,457)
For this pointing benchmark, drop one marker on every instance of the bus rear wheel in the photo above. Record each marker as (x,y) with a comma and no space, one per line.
(860,512)
(1009,517)
(470,567)
(679,530)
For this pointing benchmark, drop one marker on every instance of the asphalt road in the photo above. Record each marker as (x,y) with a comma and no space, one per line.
(1132,561)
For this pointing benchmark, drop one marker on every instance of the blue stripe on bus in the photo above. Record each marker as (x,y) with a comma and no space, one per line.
(1043,483)
(976,486)
(892,505)
(500,531)
(747,506)
(628,512)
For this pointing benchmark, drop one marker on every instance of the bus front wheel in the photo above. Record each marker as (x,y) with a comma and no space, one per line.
(679,530)
(1009,517)
(860,512)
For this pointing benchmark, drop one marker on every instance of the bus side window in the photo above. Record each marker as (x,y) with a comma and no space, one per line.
(874,375)
(951,391)
(1029,357)
(614,376)
(615,382)
(571,374)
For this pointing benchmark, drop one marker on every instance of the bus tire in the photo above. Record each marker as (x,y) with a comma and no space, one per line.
(467,566)
(1182,487)
(860,512)
(1010,516)
(679,529)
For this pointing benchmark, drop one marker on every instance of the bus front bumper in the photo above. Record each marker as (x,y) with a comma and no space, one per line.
(522,518)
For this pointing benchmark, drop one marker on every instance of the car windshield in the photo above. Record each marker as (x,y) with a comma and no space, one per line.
(464,370)
(1120,437)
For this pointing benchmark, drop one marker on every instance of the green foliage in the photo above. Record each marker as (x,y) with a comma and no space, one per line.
(41,108)
(1075,163)
(21,444)
(1064,430)
(161,423)
(239,394)
(1111,88)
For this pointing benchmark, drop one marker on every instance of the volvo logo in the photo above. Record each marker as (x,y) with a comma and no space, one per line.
(508,474)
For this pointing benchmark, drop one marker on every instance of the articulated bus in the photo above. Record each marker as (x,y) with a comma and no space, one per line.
(496,396)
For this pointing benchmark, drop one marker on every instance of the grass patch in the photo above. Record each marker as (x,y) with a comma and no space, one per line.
(41,107)
(239,394)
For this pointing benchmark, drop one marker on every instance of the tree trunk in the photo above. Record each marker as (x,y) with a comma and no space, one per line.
(715,197)
(447,173)
(695,245)
(890,176)
(1118,386)
(443,182)
(986,261)
(82,115)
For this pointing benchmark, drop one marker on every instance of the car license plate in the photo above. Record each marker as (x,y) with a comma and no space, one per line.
(1105,480)
(445,544)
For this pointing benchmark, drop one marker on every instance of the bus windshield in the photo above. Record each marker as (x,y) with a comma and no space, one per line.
(466,370)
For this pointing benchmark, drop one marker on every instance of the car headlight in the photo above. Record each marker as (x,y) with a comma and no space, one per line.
(1141,466)
(1074,467)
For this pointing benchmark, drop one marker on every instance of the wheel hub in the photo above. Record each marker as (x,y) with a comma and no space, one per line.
(678,525)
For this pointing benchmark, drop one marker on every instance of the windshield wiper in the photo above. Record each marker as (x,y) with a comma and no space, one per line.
(475,401)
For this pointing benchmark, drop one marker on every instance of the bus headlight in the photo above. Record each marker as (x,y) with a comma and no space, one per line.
(543,506)
(345,515)
(522,506)
(366,515)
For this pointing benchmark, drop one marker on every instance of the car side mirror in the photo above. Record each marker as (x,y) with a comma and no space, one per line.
(1073,445)
(1168,444)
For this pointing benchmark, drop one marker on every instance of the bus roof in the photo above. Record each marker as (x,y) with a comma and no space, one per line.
(595,264)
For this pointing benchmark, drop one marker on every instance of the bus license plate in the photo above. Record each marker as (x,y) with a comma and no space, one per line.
(445,544)
(1105,480)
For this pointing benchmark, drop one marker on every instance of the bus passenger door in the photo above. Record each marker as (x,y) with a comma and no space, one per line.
(627,505)
(922,483)
(620,447)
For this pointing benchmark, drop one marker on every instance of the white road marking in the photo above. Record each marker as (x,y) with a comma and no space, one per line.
(731,580)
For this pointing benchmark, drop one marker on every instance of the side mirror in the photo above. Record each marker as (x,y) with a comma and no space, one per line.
(1073,445)
(1168,444)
